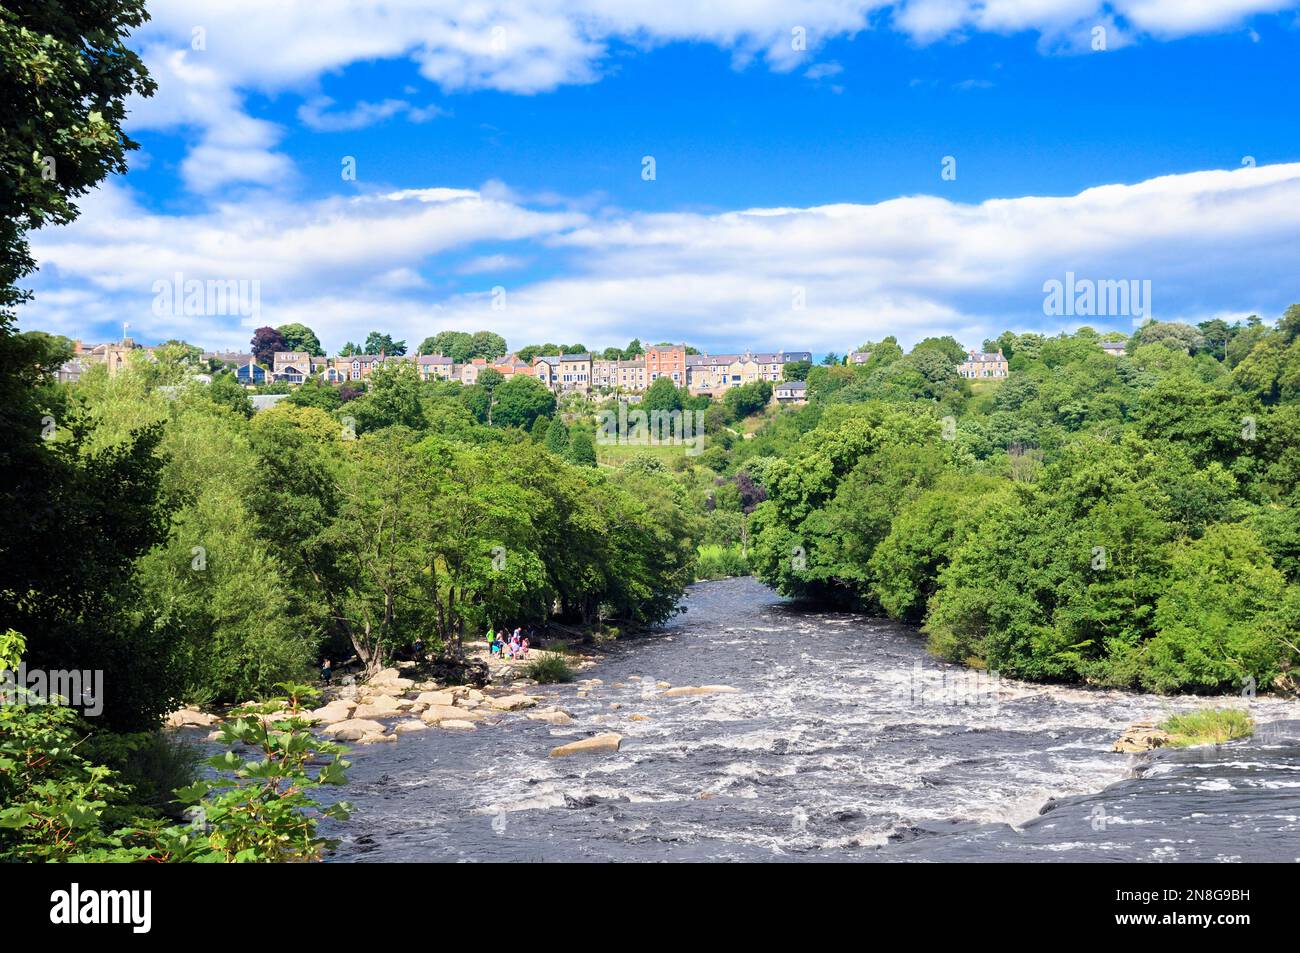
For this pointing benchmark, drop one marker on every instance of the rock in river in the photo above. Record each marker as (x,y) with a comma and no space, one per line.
(592,745)
(191,718)
(1141,736)
(512,702)
(435,714)
(354,729)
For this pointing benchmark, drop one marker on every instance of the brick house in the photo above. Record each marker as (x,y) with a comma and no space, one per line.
(666,360)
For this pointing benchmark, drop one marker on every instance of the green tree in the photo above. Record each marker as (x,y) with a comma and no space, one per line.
(582,450)
(557,437)
(662,395)
(1172,334)
(946,346)
(521,402)
(314,392)
(299,337)
(748,399)
(214,585)
(1226,616)
(392,399)
(377,343)
(487,345)
(795,370)
(457,345)
(65,76)
(226,391)
(86,469)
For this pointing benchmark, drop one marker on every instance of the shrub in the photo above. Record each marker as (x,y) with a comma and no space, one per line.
(1212,726)
(549,668)
(714,561)
(153,763)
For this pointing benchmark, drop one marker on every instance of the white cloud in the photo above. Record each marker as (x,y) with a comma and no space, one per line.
(910,267)
(823,70)
(533,46)
(316,113)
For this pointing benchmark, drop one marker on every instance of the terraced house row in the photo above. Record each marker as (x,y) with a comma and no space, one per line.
(712,374)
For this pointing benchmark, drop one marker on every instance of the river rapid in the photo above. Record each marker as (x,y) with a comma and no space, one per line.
(845,742)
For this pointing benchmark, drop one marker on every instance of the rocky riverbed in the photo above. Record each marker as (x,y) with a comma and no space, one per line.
(752,730)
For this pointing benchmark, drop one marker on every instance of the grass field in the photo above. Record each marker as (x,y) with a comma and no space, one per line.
(615,455)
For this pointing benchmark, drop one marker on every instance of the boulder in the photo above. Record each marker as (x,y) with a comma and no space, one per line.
(435,714)
(389,682)
(372,737)
(638,718)
(435,698)
(551,717)
(335,711)
(663,684)
(456,724)
(1140,736)
(398,686)
(191,718)
(699,690)
(373,710)
(512,702)
(592,745)
(354,729)
(410,724)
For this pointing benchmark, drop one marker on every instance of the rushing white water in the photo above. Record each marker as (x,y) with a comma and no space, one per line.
(845,741)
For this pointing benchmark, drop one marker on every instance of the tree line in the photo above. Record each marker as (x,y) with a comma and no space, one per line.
(1129,521)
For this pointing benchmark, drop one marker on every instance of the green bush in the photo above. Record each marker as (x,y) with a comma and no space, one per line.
(714,561)
(549,668)
(153,763)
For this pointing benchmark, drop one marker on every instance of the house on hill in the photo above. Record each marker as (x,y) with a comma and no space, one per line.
(982,366)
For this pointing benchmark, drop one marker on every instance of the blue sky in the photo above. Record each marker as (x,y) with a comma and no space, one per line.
(505,152)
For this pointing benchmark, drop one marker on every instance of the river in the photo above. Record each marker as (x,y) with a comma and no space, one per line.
(845,742)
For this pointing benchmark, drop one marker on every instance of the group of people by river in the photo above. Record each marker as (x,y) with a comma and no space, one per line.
(512,646)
